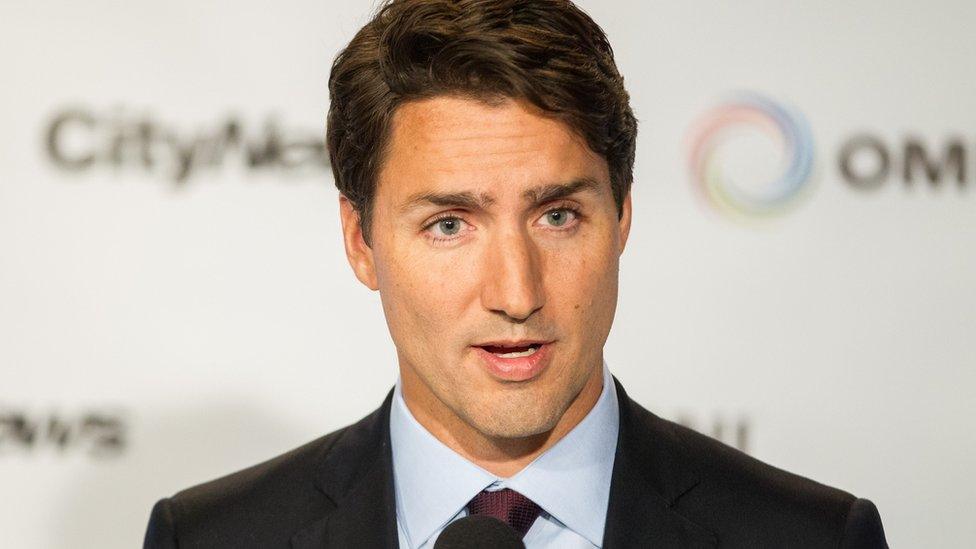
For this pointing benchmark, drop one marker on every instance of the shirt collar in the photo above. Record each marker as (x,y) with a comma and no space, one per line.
(570,480)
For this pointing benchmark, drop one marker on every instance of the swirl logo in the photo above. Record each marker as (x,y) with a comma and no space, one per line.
(750,195)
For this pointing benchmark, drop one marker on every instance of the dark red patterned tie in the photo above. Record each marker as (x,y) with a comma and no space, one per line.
(508,506)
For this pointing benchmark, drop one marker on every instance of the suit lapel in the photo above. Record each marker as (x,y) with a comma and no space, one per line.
(357,476)
(650,474)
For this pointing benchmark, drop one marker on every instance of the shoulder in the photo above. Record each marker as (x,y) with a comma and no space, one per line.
(263,502)
(263,505)
(749,503)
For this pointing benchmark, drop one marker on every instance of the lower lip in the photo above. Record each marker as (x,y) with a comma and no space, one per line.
(521,368)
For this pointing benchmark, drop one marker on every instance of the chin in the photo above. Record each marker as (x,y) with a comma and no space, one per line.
(516,419)
(513,430)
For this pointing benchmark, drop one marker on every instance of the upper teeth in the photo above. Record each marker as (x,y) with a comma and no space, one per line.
(517,354)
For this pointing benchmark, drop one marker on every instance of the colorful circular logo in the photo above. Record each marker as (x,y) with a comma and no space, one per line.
(745,195)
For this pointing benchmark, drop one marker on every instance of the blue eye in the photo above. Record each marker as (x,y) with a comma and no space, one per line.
(559,217)
(449,226)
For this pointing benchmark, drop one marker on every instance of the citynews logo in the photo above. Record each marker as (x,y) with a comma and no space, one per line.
(79,140)
(865,161)
(92,434)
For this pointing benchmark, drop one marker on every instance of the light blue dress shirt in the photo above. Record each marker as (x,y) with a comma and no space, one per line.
(570,480)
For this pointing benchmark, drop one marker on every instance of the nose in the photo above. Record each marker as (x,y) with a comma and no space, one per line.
(513,285)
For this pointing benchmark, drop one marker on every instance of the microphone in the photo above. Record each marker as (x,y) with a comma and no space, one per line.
(479,532)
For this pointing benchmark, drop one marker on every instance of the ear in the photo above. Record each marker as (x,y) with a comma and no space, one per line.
(359,254)
(623,225)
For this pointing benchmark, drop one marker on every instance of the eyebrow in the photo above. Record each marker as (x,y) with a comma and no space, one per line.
(548,193)
(482,201)
(464,199)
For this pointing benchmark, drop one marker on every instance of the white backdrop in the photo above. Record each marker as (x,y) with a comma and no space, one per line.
(172,277)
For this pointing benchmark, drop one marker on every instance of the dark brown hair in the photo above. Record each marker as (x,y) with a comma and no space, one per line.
(546,52)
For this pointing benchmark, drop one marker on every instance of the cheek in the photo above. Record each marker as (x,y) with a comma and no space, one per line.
(581,272)
(582,285)
(423,295)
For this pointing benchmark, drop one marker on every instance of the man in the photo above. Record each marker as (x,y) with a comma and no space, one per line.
(484,151)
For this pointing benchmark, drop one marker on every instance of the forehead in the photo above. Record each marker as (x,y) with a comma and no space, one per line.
(451,143)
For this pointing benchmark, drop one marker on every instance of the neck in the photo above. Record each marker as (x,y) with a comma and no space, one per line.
(500,456)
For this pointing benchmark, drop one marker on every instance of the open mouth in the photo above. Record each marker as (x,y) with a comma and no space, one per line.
(515,360)
(513,352)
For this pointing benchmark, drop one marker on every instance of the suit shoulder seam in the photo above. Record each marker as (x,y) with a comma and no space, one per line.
(171,508)
(845,520)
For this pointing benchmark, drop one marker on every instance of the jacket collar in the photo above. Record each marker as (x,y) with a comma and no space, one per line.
(651,472)
(356,475)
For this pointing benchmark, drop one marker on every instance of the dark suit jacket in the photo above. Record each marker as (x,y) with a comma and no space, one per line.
(671,487)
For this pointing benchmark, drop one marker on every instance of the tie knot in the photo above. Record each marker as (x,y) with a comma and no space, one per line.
(508,506)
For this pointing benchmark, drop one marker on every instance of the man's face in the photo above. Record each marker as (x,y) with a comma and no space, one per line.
(495,247)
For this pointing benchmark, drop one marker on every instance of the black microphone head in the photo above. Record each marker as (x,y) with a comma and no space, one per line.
(479,532)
